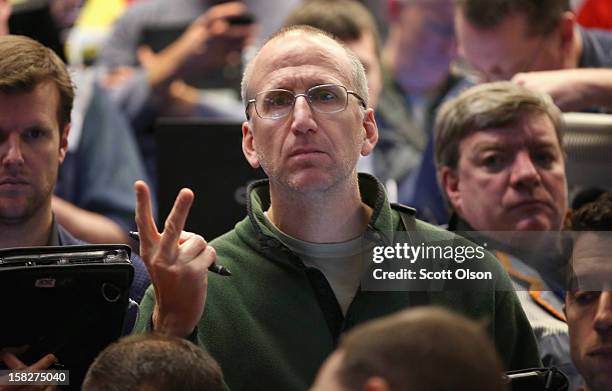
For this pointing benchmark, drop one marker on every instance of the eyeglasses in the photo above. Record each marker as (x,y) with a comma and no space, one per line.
(324,98)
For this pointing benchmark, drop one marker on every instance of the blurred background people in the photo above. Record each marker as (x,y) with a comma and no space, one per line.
(156,47)
(536,43)
(419,50)
(182,58)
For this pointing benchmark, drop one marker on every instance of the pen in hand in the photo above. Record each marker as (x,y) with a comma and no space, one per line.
(218,269)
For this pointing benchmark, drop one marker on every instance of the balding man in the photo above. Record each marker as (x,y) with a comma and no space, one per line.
(297,258)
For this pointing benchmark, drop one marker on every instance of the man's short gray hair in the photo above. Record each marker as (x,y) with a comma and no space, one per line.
(357,76)
(487,106)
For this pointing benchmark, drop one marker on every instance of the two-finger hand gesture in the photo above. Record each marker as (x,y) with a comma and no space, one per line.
(177,262)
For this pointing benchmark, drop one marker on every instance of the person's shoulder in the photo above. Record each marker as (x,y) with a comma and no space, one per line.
(436,232)
(66,238)
(226,240)
(437,235)
(233,243)
(422,228)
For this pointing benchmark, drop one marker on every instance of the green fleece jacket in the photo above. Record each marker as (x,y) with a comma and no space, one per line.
(272,323)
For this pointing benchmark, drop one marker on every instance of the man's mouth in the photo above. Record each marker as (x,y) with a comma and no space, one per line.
(305,152)
(605,350)
(13,181)
(531,204)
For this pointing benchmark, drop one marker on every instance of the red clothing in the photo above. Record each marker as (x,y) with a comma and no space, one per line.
(596,14)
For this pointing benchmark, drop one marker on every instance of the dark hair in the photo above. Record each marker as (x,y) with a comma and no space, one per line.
(153,362)
(25,63)
(421,349)
(347,20)
(487,106)
(543,16)
(594,216)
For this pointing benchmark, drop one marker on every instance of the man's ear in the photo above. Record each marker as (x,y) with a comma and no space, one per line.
(371,132)
(63,144)
(449,181)
(567,32)
(248,145)
(376,383)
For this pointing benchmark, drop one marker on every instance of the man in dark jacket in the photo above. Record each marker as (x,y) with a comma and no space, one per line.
(501,164)
(588,303)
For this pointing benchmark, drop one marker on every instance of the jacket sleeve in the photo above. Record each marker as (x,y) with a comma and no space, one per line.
(513,335)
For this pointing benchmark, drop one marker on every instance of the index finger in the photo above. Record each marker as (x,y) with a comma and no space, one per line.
(43,363)
(224,10)
(144,215)
(176,221)
(230,8)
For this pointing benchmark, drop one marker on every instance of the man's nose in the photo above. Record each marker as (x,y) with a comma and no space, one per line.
(12,154)
(303,118)
(524,171)
(603,317)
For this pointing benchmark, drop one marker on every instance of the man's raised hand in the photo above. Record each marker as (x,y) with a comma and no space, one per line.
(177,262)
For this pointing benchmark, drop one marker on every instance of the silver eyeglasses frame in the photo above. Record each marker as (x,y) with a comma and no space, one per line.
(308,99)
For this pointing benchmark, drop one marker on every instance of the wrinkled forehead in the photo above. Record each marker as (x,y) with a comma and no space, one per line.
(289,55)
(533,129)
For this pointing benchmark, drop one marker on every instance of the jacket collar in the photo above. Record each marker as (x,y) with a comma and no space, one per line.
(253,230)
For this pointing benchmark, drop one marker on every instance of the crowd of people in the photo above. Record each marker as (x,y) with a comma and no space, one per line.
(456,111)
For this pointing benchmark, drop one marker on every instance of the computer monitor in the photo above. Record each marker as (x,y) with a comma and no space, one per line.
(206,157)
(588,145)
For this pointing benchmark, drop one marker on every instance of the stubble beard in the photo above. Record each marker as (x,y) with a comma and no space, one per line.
(294,183)
(31,206)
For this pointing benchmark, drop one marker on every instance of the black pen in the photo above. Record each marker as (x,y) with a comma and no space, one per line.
(218,269)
